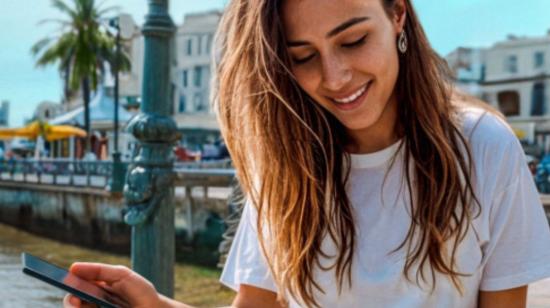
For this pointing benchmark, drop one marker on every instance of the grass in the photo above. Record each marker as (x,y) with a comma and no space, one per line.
(194,284)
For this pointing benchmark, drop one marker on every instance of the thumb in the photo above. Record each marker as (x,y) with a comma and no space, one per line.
(100,272)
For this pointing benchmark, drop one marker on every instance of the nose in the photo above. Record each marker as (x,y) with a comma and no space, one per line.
(336,73)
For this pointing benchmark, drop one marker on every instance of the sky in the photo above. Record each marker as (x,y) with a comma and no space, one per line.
(448,24)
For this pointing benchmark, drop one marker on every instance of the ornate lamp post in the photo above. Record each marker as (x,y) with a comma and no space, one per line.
(124,29)
(149,190)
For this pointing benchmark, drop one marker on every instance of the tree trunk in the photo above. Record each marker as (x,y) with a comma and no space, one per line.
(66,86)
(86,98)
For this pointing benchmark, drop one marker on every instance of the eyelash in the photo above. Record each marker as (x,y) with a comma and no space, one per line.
(357,43)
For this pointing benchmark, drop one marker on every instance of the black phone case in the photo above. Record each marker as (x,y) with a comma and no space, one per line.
(81,295)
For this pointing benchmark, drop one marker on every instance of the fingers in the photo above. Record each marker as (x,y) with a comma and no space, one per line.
(100,272)
(119,281)
(71,301)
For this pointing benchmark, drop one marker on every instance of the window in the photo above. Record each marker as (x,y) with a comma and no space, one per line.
(199,106)
(537,100)
(189,46)
(184,78)
(197,74)
(508,103)
(539,59)
(181,106)
(511,64)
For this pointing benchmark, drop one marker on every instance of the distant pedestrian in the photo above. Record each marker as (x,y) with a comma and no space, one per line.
(370,181)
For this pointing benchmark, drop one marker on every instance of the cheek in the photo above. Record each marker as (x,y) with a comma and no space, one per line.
(382,64)
(307,80)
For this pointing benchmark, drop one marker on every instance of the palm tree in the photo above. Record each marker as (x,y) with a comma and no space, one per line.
(81,49)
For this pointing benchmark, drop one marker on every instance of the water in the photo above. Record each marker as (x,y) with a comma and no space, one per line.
(16,288)
(194,285)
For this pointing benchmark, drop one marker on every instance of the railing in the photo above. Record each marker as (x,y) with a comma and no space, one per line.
(195,182)
(98,174)
(57,172)
(209,164)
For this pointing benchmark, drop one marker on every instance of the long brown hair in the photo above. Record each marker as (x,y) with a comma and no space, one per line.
(290,153)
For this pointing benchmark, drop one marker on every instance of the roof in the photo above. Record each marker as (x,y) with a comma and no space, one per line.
(101,109)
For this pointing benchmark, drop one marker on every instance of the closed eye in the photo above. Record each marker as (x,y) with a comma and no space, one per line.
(304,59)
(359,42)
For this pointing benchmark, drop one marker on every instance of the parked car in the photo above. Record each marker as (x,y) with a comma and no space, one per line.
(184,154)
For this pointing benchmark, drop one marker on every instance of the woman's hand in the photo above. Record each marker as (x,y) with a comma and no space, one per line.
(137,291)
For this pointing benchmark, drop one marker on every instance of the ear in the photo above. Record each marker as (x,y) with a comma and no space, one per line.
(399,15)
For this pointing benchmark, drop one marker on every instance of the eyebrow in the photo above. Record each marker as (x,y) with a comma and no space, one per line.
(342,27)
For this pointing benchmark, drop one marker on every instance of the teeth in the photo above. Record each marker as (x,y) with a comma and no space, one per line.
(352,97)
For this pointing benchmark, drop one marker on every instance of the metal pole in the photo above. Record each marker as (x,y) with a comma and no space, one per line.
(116,69)
(149,189)
(117,176)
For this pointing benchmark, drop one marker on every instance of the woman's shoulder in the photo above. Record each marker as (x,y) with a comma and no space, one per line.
(496,151)
(484,127)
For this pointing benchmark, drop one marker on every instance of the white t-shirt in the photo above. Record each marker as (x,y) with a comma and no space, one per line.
(507,246)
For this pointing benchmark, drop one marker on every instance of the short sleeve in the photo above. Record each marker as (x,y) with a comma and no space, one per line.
(246,263)
(518,250)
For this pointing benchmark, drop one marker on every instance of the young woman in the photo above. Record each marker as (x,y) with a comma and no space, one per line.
(370,181)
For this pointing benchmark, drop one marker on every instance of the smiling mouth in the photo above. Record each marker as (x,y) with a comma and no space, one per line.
(353,98)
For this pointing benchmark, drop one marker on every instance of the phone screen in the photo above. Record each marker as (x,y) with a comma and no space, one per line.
(69,282)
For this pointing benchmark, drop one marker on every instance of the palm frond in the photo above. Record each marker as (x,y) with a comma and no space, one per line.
(83,47)
(62,22)
(40,45)
(63,7)
(56,52)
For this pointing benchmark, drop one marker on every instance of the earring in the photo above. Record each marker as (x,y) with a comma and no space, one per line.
(402,42)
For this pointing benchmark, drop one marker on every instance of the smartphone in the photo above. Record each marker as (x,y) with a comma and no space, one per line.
(65,280)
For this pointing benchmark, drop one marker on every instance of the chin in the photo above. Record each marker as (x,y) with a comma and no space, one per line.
(362,123)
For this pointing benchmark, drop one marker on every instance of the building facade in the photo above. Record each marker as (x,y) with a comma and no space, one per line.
(192,77)
(514,77)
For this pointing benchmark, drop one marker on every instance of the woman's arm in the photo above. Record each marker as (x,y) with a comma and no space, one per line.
(250,296)
(511,298)
(140,293)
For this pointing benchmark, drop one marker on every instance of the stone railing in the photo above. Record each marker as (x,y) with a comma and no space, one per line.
(95,174)
(65,172)
(200,192)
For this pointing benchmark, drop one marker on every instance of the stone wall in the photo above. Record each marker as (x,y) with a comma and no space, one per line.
(84,216)
(93,217)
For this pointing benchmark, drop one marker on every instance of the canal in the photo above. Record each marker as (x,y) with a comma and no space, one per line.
(195,285)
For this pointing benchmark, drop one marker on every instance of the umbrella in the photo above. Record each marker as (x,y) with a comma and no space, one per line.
(8,133)
(56,132)
(49,132)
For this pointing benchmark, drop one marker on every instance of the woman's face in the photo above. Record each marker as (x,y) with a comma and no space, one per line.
(344,55)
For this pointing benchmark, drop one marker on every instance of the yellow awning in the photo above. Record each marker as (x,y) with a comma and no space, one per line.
(49,132)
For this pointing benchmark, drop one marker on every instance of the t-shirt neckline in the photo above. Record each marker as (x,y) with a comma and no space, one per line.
(374,159)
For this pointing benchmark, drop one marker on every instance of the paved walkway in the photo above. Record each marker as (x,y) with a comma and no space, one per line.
(539,294)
